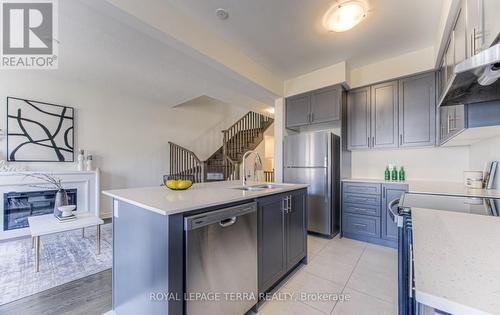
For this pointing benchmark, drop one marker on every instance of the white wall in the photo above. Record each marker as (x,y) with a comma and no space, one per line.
(487,150)
(127,136)
(406,64)
(440,164)
(323,77)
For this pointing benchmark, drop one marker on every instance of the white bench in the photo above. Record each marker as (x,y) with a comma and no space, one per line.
(48,224)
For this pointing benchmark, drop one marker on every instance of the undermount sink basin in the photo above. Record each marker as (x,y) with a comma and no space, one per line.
(259,187)
(269,186)
(249,188)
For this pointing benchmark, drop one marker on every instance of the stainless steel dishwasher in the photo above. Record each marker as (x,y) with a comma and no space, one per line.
(221,261)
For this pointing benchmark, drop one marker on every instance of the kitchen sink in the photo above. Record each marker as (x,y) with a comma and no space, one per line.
(260,187)
(269,186)
(249,188)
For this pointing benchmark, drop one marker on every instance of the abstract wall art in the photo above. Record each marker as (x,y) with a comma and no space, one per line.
(39,132)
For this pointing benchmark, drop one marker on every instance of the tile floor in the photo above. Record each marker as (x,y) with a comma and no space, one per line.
(343,277)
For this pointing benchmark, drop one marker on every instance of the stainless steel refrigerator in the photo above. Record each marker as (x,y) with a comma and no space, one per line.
(314,159)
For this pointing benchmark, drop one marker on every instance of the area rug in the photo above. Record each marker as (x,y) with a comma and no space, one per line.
(64,257)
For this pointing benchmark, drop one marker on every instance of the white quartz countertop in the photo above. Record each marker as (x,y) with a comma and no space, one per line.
(435,187)
(167,202)
(456,258)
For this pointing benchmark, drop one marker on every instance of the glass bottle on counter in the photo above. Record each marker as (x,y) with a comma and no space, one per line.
(394,173)
(387,173)
(402,174)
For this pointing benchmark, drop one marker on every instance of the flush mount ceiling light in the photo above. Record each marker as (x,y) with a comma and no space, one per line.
(344,16)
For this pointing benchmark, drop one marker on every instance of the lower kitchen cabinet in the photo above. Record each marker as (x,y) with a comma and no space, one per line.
(389,193)
(282,236)
(296,228)
(364,214)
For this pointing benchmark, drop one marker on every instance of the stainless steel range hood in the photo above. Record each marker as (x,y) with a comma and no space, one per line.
(475,80)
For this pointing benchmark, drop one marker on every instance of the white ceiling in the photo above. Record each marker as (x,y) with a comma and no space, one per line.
(286,36)
(98,48)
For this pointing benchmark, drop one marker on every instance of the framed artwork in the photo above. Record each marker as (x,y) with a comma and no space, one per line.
(39,132)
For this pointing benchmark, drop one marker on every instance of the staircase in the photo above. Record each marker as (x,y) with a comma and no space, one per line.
(224,164)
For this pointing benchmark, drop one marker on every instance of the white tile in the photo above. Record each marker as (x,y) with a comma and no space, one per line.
(327,267)
(342,253)
(308,288)
(380,259)
(315,245)
(287,308)
(363,304)
(378,284)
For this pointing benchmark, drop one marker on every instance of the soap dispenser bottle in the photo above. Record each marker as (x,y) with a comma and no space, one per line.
(402,175)
(387,173)
(394,173)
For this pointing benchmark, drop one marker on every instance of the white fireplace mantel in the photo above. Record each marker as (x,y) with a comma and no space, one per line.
(87,184)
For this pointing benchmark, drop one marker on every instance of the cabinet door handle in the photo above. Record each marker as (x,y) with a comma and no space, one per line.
(283,205)
(312,117)
(369,142)
(401,139)
(289,204)
(373,142)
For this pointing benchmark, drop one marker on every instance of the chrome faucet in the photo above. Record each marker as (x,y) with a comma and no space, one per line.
(258,164)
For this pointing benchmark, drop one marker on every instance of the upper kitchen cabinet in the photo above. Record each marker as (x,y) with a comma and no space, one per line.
(325,105)
(358,115)
(384,115)
(319,106)
(482,24)
(417,110)
(491,22)
(399,113)
(298,110)
(460,37)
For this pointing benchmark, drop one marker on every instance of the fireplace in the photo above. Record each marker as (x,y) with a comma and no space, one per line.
(18,206)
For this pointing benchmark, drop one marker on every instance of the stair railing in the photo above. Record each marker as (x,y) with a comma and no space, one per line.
(237,137)
(185,162)
(231,169)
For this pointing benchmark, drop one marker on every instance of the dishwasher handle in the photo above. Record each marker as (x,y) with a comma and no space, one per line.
(227,222)
(223,217)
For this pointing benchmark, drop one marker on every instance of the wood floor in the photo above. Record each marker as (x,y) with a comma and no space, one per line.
(87,296)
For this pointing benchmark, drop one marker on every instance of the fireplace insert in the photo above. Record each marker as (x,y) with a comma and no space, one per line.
(18,206)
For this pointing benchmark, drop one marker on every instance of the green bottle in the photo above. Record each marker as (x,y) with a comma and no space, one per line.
(387,173)
(394,174)
(402,175)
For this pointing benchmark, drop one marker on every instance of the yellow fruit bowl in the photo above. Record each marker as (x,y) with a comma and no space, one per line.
(178,182)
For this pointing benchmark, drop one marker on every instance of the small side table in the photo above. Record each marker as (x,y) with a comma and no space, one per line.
(48,224)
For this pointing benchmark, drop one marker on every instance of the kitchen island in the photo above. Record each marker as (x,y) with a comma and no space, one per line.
(456,261)
(150,240)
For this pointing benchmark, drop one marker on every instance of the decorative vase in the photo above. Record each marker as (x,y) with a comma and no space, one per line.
(60,200)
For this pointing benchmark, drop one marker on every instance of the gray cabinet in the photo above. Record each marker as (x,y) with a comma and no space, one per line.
(296,229)
(384,115)
(364,211)
(452,121)
(271,241)
(460,36)
(483,24)
(282,236)
(325,105)
(297,110)
(319,106)
(358,115)
(389,227)
(417,110)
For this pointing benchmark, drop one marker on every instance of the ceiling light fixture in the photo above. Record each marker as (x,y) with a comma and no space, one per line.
(344,16)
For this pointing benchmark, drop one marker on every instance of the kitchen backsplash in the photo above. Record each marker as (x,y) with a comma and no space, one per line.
(441,164)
